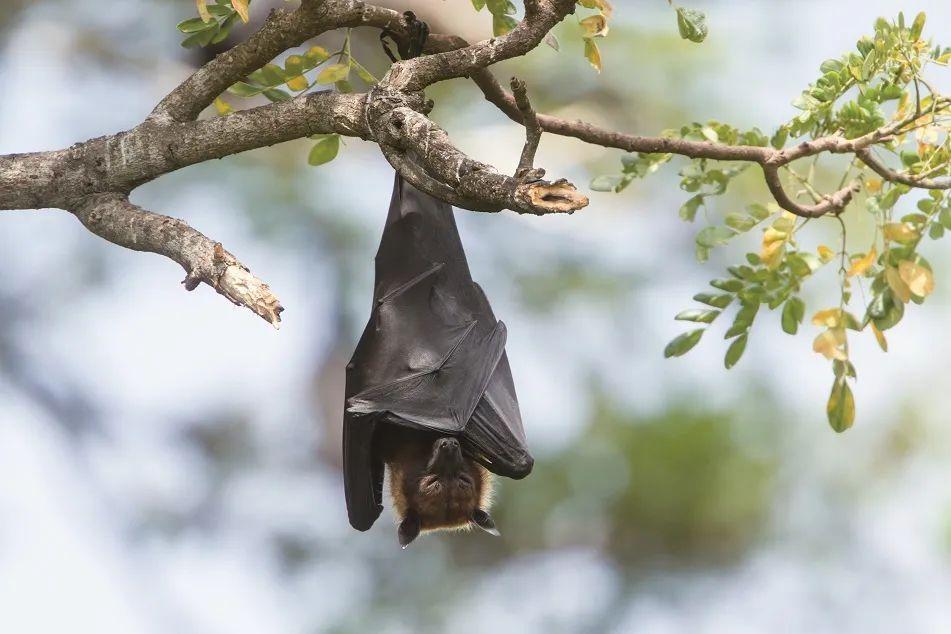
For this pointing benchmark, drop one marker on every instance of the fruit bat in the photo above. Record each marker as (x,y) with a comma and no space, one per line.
(429,391)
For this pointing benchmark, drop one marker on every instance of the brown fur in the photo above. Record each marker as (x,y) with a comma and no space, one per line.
(440,503)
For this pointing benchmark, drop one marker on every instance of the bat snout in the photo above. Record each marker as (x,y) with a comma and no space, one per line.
(447,456)
(447,444)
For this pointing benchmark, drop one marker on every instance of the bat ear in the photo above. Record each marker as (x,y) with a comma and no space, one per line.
(483,520)
(408,530)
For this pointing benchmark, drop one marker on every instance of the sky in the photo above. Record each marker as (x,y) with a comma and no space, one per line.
(160,449)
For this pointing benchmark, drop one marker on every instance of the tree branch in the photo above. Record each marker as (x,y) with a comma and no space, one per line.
(533,132)
(93,179)
(866,156)
(114,218)
(770,159)
(416,74)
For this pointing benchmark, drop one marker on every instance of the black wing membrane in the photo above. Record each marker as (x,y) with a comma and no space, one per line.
(432,356)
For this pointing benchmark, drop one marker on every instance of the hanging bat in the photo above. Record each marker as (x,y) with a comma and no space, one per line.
(429,392)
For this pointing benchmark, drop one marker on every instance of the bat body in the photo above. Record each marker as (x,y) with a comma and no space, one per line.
(430,365)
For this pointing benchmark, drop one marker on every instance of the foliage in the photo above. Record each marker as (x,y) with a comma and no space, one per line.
(214,22)
(880,86)
(876,95)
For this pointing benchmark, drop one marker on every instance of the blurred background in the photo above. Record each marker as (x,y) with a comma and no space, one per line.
(171,464)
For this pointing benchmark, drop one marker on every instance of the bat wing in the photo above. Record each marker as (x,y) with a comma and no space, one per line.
(432,355)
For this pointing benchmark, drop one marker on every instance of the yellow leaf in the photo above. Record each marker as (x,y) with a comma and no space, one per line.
(920,281)
(222,106)
(825,253)
(592,54)
(601,5)
(831,344)
(879,337)
(595,26)
(772,253)
(203,11)
(898,285)
(316,54)
(298,83)
(241,6)
(333,73)
(874,185)
(862,264)
(773,235)
(774,243)
(829,318)
(900,232)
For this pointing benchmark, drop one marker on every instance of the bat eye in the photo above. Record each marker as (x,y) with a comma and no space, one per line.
(465,480)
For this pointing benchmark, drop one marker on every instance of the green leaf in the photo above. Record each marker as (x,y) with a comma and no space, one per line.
(691,24)
(936,231)
(225,29)
(730,286)
(195,25)
(717,301)
(276,94)
(744,319)
(697,315)
(740,222)
(220,11)
(735,351)
(333,73)
(688,211)
(243,89)
(682,344)
(478,4)
(273,75)
(760,212)
(501,7)
(918,26)
(294,65)
(841,406)
(945,217)
(324,150)
(502,24)
(779,139)
(714,236)
(201,38)
(605,183)
(793,313)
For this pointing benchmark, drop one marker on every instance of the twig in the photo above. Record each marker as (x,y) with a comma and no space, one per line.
(533,132)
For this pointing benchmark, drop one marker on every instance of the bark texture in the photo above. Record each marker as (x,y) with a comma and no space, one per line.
(93,179)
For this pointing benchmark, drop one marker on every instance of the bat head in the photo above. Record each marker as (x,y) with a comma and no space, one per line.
(438,487)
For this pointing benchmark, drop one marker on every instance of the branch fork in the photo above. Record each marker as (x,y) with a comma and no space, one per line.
(93,179)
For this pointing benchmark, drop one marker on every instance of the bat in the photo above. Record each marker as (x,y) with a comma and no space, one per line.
(429,393)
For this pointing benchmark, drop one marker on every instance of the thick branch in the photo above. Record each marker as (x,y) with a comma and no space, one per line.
(123,161)
(475,185)
(113,217)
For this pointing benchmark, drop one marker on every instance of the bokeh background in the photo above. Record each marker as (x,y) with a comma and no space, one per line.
(171,464)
